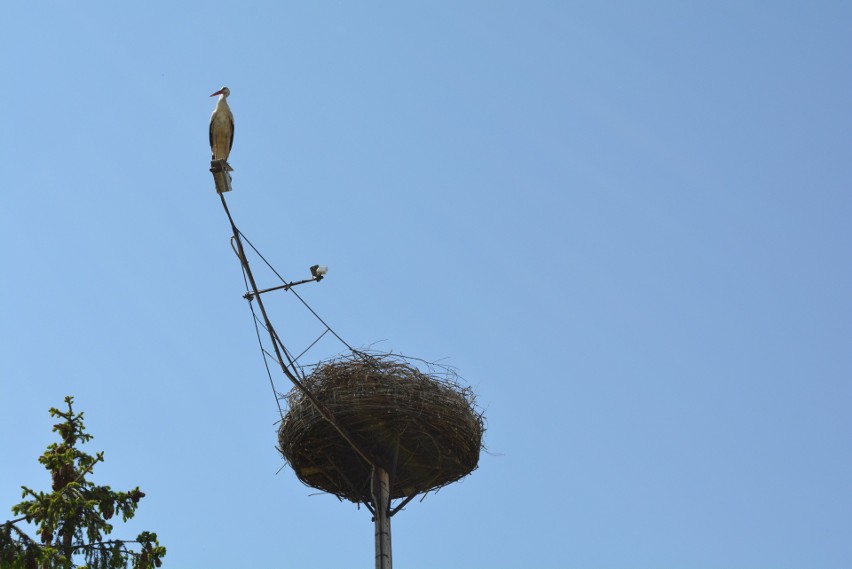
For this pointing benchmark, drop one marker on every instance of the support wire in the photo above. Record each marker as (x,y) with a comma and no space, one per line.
(321,409)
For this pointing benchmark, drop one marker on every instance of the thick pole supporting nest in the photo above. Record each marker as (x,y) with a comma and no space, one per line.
(381,503)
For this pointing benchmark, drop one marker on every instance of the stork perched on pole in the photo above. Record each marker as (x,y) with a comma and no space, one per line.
(222,128)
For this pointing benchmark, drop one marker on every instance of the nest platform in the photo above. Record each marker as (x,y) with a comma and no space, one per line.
(421,427)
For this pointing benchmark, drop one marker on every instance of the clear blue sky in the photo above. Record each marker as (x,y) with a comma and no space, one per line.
(626,223)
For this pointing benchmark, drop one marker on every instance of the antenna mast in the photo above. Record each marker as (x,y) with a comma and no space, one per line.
(367,428)
(381,478)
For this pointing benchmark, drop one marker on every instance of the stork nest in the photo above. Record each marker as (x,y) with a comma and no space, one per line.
(420,426)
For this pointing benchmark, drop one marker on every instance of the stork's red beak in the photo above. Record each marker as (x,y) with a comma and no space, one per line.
(219,92)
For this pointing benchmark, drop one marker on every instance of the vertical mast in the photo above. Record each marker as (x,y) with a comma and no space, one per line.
(381,505)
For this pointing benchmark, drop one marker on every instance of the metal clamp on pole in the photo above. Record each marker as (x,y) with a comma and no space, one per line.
(220,169)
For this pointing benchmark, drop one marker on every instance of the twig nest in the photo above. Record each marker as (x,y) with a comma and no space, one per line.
(422,427)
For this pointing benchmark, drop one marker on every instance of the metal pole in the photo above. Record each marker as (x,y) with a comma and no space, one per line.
(381,505)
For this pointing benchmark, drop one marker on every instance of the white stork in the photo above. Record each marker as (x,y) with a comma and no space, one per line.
(222,127)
